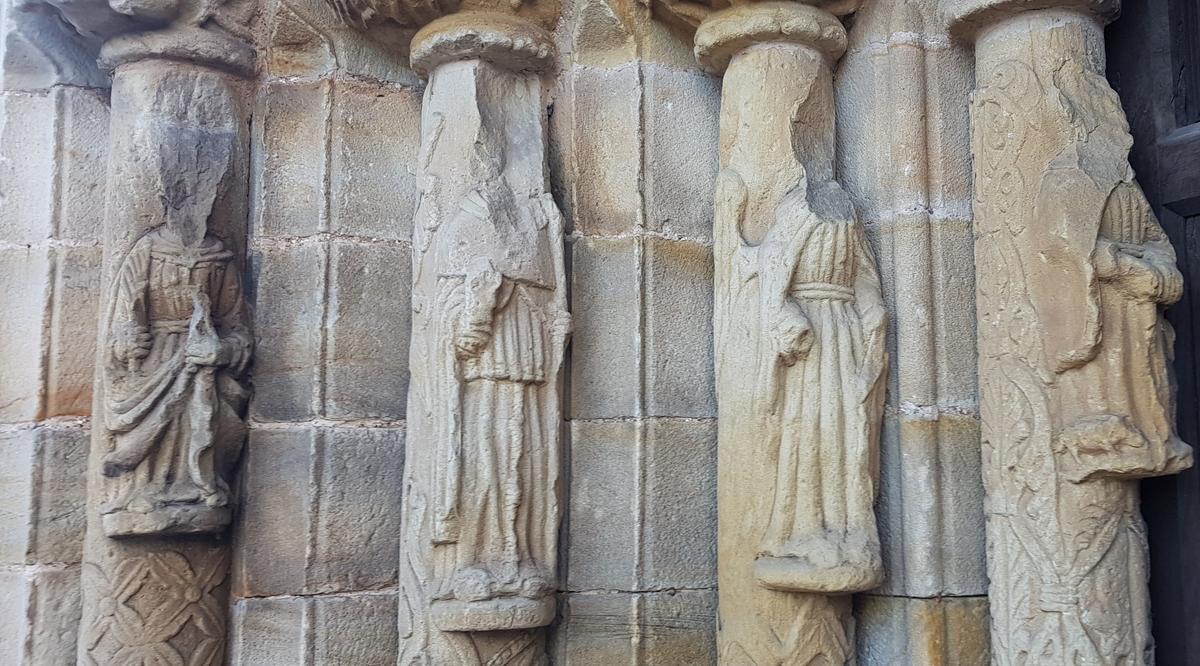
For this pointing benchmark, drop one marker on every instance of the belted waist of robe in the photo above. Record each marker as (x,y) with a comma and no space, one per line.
(821,291)
(170,326)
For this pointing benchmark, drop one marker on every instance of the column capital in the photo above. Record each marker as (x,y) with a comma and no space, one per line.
(723,34)
(506,40)
(214,34)
(967,17)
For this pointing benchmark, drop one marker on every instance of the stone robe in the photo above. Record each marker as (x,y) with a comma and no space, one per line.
(822,307)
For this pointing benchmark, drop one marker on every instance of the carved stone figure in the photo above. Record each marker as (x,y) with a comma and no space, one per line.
(178,345)
(821,389)
(498,325)
(799,325)
(1073,271)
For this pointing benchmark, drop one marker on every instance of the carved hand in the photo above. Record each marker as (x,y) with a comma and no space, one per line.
(206,350)
(133,342)
(1134,273)
(471,337)
(792,335)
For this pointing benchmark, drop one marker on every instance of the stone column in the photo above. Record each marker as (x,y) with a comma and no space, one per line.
(482,489)
(1073,271)
(799,343)
(173,344)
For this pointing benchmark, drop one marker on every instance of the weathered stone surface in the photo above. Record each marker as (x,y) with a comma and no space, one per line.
(605,168)
(677,521)
(642,628)
(605,304)
(602,535)
(1073,272)
(898,630)
(336,629)
(41,499)
(293,120)
(367,327)
(677,281)
(288,287)
(680,128)
(39,615)
(373,141)
(336,491)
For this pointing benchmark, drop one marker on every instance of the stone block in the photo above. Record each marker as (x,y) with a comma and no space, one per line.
(268,632)
(897,630)
(679,500)
(356,527)
(71,347)
(41,496)
(681,117)
(287,289)
(321,511)
(290,167)
(28,140)
(953,245)
(274,521)
(677,338)
(356,629)
(930,510)
(373,160)
(605,304)
(318,631)
(366,356)
(659,628)
(605,174)
(39,615)
(26,276)
(81,164)
(603,519)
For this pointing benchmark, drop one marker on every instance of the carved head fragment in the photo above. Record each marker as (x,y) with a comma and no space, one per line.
(192,162)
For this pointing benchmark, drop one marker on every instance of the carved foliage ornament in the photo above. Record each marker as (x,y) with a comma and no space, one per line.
(1073,272)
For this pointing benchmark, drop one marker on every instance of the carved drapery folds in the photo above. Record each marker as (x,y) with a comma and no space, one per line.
(799,325)
(1073,272)
(174,340)
(482,490)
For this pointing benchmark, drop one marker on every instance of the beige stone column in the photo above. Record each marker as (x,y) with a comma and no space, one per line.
(174,343)
(478,570)
(1073,271)
(799,343)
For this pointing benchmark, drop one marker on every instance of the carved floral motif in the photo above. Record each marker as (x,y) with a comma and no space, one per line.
(1073,270)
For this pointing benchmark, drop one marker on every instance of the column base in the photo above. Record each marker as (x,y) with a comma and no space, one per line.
(500,614)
